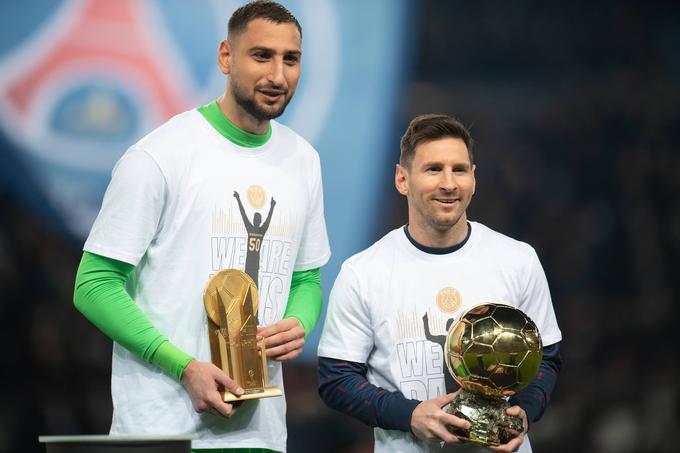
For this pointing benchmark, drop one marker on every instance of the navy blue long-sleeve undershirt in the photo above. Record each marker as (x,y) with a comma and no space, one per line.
(343,386)
(534,397)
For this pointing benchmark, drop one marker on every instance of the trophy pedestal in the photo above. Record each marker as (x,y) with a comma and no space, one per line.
(116,444)
(490,425)
(267,392)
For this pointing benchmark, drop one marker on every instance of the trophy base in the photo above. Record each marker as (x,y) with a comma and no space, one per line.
(490,425)
(253,394)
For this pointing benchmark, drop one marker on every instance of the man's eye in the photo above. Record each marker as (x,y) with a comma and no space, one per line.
(291,59)
(261,56)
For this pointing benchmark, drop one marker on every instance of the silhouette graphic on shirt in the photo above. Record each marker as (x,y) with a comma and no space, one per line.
(450,384)
(256,233)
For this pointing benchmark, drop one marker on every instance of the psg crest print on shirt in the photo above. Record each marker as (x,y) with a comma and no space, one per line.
(83,80)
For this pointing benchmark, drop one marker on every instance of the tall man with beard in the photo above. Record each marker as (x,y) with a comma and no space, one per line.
(169,221)
(380,357)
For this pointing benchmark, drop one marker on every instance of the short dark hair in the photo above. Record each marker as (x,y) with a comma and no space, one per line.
(427,128)
(259,9)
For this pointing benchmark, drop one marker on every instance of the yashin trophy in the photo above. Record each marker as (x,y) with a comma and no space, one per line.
(492,351)
(231,302)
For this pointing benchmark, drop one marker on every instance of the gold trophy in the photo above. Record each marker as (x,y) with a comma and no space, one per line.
(230,299)
(493,351)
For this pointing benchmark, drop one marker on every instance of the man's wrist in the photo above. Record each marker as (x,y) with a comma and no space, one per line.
(404,408)
(172,360)
(410,426)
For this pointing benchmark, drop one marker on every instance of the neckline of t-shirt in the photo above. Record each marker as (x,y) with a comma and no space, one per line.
(213,115)
(445,251)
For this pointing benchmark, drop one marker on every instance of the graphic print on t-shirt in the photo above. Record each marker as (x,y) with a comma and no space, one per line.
(450,383)
(241,240)
(256,232)
(419,366)
(422,370)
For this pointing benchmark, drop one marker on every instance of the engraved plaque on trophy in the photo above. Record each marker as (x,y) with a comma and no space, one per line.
(231,300)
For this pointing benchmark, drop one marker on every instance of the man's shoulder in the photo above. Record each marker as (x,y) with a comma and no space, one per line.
(381,250)
(499,243)
(288,136)
(174,131)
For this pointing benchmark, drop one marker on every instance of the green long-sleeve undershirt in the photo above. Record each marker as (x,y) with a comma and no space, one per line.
(101,296)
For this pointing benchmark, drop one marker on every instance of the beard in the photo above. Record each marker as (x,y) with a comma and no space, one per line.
(260,112)
(440,221)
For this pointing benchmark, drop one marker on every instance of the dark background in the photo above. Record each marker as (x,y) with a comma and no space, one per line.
(575,108)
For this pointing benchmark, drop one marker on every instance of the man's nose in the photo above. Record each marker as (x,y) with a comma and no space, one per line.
(276,73)
(448,181)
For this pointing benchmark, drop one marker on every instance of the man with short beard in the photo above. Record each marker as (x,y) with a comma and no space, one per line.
(380,359)
(170,220)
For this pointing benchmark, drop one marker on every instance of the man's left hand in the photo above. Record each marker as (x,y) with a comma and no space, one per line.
(515,442)
(283,340)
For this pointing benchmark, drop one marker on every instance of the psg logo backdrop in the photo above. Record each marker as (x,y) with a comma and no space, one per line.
(82,80)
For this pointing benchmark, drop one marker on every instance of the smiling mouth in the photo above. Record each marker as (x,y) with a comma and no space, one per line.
(272,95)
(447,201)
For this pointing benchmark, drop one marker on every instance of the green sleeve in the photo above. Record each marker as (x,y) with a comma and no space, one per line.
(100,295)
(305,299)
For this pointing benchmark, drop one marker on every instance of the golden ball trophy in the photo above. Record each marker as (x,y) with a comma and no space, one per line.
(492,351)
(231,301)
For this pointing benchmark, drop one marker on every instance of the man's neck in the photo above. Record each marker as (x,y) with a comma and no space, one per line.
(435,238)
(240,118)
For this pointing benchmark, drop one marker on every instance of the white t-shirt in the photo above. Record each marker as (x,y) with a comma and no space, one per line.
(170,210)
(377,309)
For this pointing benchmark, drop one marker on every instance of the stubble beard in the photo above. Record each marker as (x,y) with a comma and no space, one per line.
(442,222)
(252,108)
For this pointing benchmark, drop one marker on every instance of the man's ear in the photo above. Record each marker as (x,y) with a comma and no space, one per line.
(224,57)
(401,179)
(474,179)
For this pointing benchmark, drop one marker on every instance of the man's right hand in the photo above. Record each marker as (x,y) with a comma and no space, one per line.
(430,422)
(202,381)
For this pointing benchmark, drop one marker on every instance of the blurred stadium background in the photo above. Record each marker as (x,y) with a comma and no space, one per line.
(575,107)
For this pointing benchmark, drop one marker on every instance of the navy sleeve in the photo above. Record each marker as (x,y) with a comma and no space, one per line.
(343,386)
(535,397)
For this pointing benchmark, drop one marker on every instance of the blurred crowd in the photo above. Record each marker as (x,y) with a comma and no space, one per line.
(575,109)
